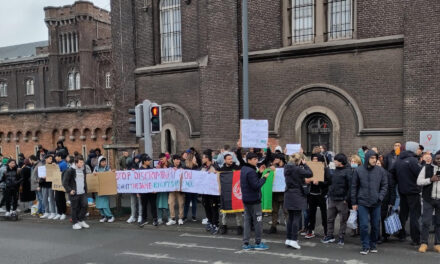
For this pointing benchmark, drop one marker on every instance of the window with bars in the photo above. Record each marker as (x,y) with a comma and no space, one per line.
(30,87)
(3,89)
(303,21)
(170,31)
(340,19)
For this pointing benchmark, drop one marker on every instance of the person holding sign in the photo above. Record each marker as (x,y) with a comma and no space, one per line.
(46,189)
(211,203)
(75,184)
(102,201)
(277,197)
(147,197)
(179,196)
(60,197)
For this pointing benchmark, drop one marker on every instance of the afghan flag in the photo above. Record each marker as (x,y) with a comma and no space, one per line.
(231,198)
(266,192)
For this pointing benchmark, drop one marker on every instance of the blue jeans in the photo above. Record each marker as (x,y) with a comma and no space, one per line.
(190,197)
(40,202)
(369,216)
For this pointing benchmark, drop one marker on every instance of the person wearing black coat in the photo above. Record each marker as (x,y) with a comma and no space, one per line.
(12,180)
(387,204)
(338,197)
(26,195)
(405,171)
(297,174)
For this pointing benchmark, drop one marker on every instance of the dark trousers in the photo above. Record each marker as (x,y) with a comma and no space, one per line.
(316,201)
(369,216)
(383,215)
(410,205)
(428,209)
(151,199)
(335,208)
(293,224)
(277,202)
(11,199)
(78,205)
(211,204)
(190,197)
(60,200)
(3,201)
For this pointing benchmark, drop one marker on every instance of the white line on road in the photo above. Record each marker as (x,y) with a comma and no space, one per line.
(162,256)
(193,245)
(284,255)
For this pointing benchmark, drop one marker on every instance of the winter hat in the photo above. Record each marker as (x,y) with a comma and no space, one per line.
(411,146)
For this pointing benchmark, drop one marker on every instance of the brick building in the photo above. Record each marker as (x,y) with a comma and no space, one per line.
(344,73)
(59,89)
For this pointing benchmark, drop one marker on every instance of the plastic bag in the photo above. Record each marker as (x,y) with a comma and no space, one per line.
(392,224)
(352,220)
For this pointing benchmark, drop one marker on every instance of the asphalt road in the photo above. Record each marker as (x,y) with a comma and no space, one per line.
(44,241)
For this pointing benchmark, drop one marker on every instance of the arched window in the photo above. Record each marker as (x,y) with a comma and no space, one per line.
(71,82)
(30,87)
(29,106)
(107,80)
(319,129)
(170,31)
(77,81)
(3,89)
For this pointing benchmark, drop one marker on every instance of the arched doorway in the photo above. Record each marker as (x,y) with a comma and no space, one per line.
(318,128)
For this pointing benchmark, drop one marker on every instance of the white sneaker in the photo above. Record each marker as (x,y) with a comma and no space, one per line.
(87,214)
(111,220)
(57,217)
(180,222)
(294,244)
(83,224)
(103,220)
(204,221)
(18,210)
(7,214)
(139,219)
(76,226)
(159,221)
(171,222)
(131,220)
(287,243)
(2,210)
(51,216)
(63,217)
(45,215)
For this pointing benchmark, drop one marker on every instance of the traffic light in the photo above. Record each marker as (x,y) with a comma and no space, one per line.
(156,118)
(137,120)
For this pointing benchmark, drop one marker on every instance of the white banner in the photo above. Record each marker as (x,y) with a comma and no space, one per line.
(200,182)
(430,140)
(42,172)
(279,182)
(293,148)
(254,133)
(148,181)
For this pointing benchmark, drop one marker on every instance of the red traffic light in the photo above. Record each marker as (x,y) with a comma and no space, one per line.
(155,111)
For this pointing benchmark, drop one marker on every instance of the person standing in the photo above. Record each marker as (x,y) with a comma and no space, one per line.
(179,196)
(60,197)
(251,183)
(102,201)
(147,197)
(46,190)
(368,190)
(12,180)
(211,203)
(191,198)
(277,197)
(27,196)
(75,184)
(162,197)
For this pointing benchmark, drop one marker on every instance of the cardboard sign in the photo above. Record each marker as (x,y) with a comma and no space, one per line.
(42,172)
(293,148)
(92,183)
(279,181)
(148,181)
(254,133)
(201,182)
(107,183)
(430,140)
(52,171)
(318,170)
(57,182)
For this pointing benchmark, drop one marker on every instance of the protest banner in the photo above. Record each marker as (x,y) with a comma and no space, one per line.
(279,182)
(201,182)
(92,183)
(254,133)
(42,172)
(51,172)
(318,170)
(148,181)
(107,183)
(430,140)
(57,182)
(293,148)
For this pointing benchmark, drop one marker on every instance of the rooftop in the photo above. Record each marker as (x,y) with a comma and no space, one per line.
(21,51)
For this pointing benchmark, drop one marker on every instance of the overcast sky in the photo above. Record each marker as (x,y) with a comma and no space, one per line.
(22,21)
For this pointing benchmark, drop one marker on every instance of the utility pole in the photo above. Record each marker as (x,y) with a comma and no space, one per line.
(244,24)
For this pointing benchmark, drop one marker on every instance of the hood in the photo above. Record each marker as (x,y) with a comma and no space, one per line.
(361,153)
(99,160)
(9,169)
(368,155)
(406,154)
(92,155)
(60,142)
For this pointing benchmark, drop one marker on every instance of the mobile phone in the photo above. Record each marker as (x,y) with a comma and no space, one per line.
(438,173)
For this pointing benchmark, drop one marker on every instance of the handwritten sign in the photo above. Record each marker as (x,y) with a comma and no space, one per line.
(200,182)
(430,140)
(293,148)
(92,183)
(148,181)
(318,170)
(107,183)
(279,181)
(57,182)
(52,171)
(254,133)
(42,172)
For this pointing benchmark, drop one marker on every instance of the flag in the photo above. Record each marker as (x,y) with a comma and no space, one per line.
(231,199)
(266,192)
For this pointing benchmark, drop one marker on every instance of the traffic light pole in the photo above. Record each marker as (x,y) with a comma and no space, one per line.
(147,123)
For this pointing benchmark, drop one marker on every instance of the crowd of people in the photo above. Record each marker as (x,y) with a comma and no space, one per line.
(405,181)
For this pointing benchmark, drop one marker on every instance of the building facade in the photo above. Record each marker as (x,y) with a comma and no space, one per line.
(342,73)
(59,89)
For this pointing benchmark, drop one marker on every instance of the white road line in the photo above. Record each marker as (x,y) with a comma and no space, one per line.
(306,244)
(162,256)
(191,245)
(284,255)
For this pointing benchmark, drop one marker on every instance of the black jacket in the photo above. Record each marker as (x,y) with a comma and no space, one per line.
(369,184)
(339,181)
(11,178)
(69,179)
(233,167)
(294,196)
(389,160)
(251,183)
(390,198)
(322,187)
(405,171)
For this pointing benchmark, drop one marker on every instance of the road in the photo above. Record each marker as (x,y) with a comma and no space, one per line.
(44,241)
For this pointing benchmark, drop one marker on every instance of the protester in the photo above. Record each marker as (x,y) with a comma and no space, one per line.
(12,181)
(75,184)
(27,196)
(46,190)
(277,197)
(60,196)
(162,197)
(406,170)
(173,196)
(429,179)
(391,157)
(369,187)
(211,203)
(135,200)
(190,198)
(102,201)
(61,147)
(35,184)
(226,151)
(338,197)
(2,184)
(251,183)
(147,198)
(297,174)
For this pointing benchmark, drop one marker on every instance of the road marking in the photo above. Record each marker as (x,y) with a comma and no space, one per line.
(162,256)
(193,245)
(306,244)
